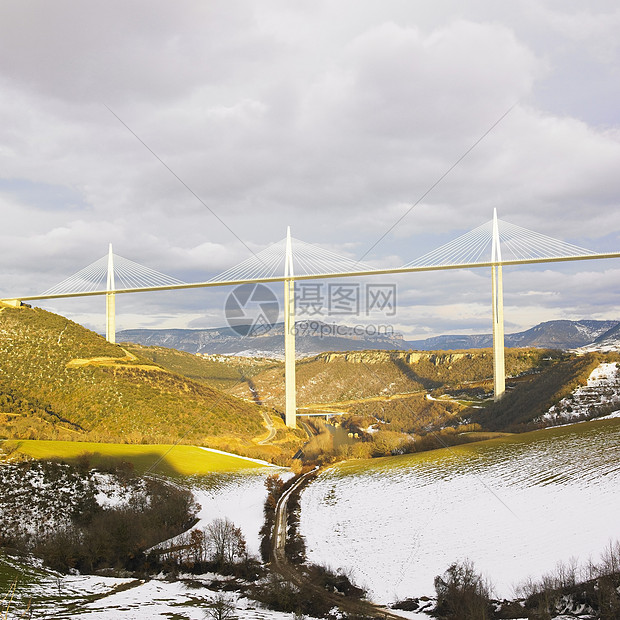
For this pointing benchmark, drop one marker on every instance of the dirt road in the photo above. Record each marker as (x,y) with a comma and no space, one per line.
(295,574)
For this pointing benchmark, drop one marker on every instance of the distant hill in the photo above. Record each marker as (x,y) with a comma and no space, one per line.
(609,341)
(315,337)
(561,334)
(59,380)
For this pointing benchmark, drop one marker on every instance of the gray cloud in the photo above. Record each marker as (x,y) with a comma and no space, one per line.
(331,117)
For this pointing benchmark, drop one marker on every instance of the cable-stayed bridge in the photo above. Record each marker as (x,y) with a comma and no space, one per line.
(495,244)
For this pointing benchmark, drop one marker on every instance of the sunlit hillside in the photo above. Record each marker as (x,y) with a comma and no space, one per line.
(59,380)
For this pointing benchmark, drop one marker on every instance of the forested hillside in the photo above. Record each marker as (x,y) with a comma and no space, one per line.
(523,405)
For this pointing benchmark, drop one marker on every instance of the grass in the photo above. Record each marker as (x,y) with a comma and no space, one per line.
(63,378)
(483,435)
(169,460)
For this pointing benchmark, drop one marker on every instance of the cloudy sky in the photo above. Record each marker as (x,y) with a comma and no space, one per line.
(333,117)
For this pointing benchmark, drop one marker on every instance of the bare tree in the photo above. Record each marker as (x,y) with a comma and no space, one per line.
(197,544)
(226,542)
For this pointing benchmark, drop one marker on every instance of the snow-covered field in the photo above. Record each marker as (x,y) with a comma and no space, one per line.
(183,599)
(514,506)
(238,496)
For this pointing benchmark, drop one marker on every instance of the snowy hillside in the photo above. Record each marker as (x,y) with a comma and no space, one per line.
(514,506)
(94,597)
(609,341)
(600,396)
(239,497)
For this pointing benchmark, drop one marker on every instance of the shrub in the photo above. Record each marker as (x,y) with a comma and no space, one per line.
(221,608)
(463,594)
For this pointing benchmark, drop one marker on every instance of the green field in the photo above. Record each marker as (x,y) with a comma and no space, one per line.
(170,460)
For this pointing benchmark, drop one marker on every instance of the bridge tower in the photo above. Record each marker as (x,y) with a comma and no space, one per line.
(110,301)
(497,298)
(289,336)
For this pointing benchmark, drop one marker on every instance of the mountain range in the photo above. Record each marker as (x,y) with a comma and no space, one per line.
(315,337)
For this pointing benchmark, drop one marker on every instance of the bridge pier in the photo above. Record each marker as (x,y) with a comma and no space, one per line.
(110,301)
(289,337)
(497,300)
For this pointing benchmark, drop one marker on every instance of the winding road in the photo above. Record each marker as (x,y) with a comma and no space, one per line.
(270,427)
(294,573)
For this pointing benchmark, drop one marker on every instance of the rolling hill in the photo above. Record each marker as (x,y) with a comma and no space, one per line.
(59,380)
(221,372)
(514,505)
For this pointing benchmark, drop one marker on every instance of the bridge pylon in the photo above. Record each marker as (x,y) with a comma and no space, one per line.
(110,301)
(290,394)
(497,300)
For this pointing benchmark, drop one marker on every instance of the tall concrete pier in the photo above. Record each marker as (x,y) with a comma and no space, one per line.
(289,336)
(499,371)
(110,301)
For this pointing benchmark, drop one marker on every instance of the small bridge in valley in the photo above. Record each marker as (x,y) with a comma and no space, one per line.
(493,245)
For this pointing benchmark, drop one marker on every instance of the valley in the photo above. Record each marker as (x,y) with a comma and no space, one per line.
(419,469)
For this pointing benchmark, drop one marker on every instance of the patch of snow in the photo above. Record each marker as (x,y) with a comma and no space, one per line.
(611,416)
(371,430)
(585,331)
(274,355)
(244,458)
(388,388)
(68,597)
(609,345)
(238,497)
(111,493)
